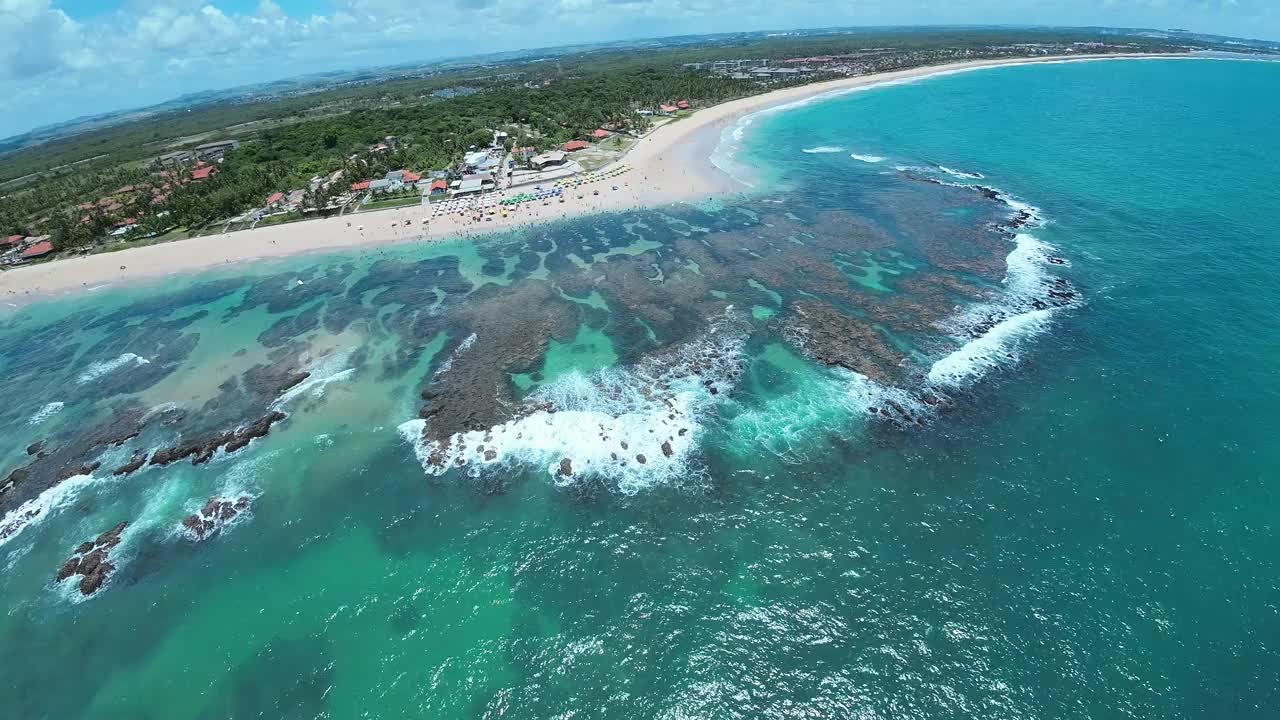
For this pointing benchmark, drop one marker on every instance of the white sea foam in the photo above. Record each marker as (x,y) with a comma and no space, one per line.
(591,417)
(98,369)
(46,412)
(961,173)
(333,368)
(823,149)
(792,426)
(1024,281)
(868,158)
(463,346)
(47,503)
(997,347)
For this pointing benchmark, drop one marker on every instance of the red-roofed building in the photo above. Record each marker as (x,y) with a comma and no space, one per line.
(575,145)
(203,173)
(13,240)
(411,176)
(40,249)
(668,108)
(439,185)
(358,186)
(274,198)
(599,133)
(683,104)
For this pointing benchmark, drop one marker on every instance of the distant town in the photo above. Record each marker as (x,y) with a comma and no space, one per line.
(417,141)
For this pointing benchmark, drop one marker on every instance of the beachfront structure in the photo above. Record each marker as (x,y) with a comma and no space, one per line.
(468,187)
(294,198)
(40,249)
(360,186)
(175,159)
(600,133)
(215,150)
(439,186)
(273,200)
(575,145)
(382,185)
(548,159)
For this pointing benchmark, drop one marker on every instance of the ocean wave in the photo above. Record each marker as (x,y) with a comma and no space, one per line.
(793,426)
(46,412)
(961,173)
(996,347)
(47,503)
(868,158)
(98,369)
(632,428)
(331,369)
(463,346)
(993,332)
(822,149)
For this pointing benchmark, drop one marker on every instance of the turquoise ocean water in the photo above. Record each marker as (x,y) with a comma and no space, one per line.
(1072,515)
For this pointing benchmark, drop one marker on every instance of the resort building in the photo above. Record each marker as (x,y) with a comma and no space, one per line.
(575,145)
(40,249)
(548,159)
(215,150)
(176,159)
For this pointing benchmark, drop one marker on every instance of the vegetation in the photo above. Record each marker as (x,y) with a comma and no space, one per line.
(288,140)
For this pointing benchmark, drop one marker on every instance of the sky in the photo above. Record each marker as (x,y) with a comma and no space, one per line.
(61,59)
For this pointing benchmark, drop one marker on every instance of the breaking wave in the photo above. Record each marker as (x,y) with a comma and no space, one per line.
(46,412)
(868,158)
(961,173)
(333,368)
(98,369)
(822,149)
(43,505)
(632,428)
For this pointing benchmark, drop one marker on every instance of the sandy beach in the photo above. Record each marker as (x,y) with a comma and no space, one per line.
(671,164)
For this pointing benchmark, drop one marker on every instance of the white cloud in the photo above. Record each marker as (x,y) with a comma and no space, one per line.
(146,52)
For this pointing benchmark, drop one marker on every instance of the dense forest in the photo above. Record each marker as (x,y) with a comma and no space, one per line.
(541,102)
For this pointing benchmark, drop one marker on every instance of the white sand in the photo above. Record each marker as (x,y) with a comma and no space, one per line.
(669,165)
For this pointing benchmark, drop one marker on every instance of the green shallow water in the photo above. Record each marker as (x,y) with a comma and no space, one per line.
(1087,531)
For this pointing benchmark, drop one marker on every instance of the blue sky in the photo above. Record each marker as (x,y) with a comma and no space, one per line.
(61,59)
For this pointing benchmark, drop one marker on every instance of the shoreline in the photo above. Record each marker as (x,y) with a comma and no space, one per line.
(652,181)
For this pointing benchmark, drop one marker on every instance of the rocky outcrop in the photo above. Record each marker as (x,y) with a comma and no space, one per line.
(202,450)
(138,460)
(91,561)
(215,514)
(566,468)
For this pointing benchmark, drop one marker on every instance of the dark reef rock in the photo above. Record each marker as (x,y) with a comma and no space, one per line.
(202,450)
(35,448)
(138,460)
(215,514)
(91,562)
(71,458)
(566,468)
(666,448)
